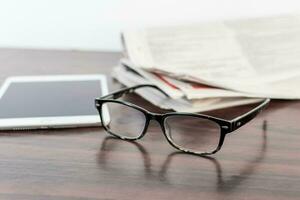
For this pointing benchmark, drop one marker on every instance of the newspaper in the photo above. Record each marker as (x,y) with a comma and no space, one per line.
(129,77)
(258,57)
(177,89)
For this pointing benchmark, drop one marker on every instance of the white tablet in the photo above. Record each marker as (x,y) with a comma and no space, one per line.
(60,101)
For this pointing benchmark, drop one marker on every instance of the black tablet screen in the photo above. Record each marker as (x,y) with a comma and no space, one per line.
(49,99)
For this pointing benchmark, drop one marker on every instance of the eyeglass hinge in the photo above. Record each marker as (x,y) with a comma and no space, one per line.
(225,127)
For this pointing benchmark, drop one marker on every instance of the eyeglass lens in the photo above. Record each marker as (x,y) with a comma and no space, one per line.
(125,121)
(193,133)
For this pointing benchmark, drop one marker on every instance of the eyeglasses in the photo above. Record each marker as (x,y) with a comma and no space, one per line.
(188,132)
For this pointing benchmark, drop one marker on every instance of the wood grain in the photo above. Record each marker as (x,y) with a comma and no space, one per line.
(259,161)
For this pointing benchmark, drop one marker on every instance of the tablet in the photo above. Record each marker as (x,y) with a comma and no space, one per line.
(42,102)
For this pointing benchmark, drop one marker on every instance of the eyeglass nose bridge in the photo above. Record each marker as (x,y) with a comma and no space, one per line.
(156,116)
(160,119)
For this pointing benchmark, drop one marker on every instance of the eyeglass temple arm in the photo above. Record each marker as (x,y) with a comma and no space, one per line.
(121,92)
(245,118)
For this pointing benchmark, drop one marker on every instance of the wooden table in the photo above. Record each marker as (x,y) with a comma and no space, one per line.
(257,162)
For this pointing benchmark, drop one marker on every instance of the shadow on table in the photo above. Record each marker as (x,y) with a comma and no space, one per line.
(224,184)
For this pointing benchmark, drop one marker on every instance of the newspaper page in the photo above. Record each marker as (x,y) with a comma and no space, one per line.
(156,79)
(258,56)
(177,88)
(129,78)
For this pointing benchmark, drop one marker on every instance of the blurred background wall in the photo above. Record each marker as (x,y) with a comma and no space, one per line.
(96,24)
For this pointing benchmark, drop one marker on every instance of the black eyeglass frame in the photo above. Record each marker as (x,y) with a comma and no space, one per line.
(226,126)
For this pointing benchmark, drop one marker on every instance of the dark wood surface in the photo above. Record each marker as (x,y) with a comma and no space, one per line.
(259,161)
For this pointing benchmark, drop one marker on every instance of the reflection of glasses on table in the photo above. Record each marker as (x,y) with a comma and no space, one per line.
(191,133)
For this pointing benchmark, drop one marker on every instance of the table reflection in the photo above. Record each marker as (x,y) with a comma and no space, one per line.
(224,184)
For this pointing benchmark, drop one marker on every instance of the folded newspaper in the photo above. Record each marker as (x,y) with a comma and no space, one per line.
(211,98)
(215,65)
